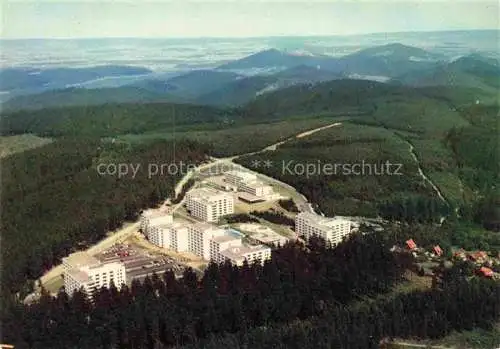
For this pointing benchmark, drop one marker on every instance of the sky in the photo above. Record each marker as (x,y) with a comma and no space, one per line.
(93,18)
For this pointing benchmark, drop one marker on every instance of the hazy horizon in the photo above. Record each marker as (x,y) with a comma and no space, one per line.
(225,19)
(251,37)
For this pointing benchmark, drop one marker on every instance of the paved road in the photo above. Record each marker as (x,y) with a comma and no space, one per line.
(308,133)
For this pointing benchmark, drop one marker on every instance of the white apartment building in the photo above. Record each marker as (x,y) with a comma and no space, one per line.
(248,182)
(237,177)
(173,236)
(209,204)
(82,271)
(221,243)
(150,217)
(330,229)
(199,238)
(250,253)
(256,188)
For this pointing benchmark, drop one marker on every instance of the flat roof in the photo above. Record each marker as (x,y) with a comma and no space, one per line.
(317,220)
(206,227)
(219,181)
(203,226)
(242,174)
(226,238)
(237,253)
(268,237)
(173,225)
(249,197)
(257,184)
(79,275)
(207,194)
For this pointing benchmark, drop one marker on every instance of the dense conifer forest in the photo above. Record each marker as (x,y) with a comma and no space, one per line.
(333,290)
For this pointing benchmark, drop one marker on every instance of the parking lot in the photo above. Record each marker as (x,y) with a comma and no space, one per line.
(140,263)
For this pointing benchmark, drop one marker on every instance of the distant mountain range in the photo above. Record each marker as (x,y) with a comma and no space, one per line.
(387,60)
(248,88)
(272,59)
(192,84)
(242,80)
(470,71)
(13,79)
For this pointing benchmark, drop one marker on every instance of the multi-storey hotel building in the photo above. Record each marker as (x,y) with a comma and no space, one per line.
(154,217)
(248,182)
(173,236)
(209,204)
(199,238)
(221,243)
(82,271)
(330,229)
(250,253)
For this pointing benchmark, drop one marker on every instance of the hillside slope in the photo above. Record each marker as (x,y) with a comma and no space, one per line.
(469,71)
(191,84)
(338,95)
(81,97)
(387,60)
(271,58)
(110,119)
(247,89)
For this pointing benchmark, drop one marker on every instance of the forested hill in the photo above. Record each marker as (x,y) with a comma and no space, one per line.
(351,97)
(111,119)
(341,97)
(338,95)
(471,71)
(422,109)
(85,97)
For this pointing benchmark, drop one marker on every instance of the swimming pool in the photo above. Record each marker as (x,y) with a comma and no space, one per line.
(235,233)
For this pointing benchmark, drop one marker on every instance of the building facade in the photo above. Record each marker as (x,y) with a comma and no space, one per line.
(154,217)
(256,188)
(330,229)
(236,178)
(199,238)
(221,243)
(248,183)
(173,236)
(82,271)
(209,204)
(250,253)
